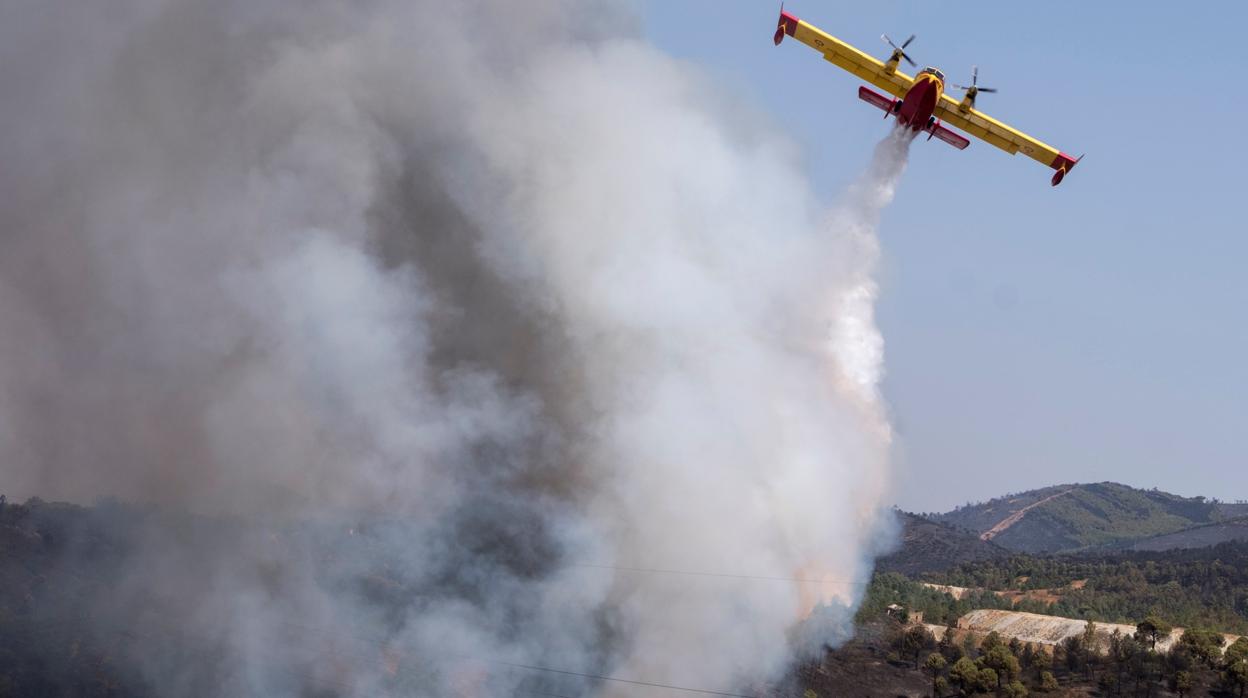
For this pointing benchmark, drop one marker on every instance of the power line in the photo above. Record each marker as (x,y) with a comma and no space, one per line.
(275,664)
(376,641)
(653,570)
(533,667)
(686,689)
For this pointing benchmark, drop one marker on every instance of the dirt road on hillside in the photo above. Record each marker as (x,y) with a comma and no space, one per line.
(1018,516)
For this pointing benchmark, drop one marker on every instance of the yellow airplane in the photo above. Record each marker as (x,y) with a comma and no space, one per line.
(921,103)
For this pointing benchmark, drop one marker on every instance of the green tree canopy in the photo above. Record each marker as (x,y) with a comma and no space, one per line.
(1181,682)
(914,641)
(934,664)
(991,640)
(1042,660)
(1001,661)
(1237,652)
(965,674)
(1205,645)
(988,679)
(1152,629)
(1089,637)
(1235,665)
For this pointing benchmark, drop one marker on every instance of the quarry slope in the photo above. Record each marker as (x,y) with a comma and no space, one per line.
(1048,630)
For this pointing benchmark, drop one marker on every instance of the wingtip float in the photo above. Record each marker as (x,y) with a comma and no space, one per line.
(920,102)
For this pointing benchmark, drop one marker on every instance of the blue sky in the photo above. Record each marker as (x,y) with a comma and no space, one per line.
(1096,331)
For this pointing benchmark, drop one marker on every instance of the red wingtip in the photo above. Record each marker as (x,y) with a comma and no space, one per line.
(787,25)
(1063,163)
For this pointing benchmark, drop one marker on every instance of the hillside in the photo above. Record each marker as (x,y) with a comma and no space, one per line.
(1197,536)
(931,546)
(54,564)
(1066,518)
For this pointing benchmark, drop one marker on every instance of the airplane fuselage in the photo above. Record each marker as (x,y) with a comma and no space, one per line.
(916,108)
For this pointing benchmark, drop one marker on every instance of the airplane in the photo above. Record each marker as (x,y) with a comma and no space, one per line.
(921,103)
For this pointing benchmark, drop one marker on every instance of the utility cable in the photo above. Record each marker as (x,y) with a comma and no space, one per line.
(653,570)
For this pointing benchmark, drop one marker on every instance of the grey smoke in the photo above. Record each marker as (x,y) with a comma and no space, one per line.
(527,294)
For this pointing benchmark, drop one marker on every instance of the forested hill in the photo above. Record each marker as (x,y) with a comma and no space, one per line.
(931,546)
(1205,587)
(1072,517)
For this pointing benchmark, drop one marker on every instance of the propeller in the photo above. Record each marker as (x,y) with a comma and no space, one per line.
(975,89)
(899,51)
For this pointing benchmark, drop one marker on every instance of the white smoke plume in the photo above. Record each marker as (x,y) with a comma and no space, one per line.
(542,329)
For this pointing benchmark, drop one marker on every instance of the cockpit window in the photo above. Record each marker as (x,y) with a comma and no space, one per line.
(932,71)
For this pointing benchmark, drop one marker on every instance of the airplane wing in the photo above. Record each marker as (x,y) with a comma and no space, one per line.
(842,54)
(1010,140)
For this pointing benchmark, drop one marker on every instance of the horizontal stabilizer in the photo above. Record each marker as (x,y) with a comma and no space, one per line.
(953,138)
(875,99)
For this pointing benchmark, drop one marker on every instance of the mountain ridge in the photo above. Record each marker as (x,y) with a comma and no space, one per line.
(1086,516)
